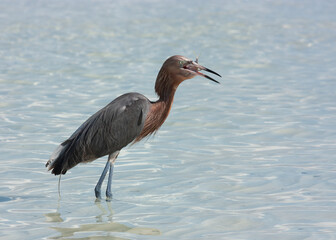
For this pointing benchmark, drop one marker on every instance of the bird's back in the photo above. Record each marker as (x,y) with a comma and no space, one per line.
(108,130)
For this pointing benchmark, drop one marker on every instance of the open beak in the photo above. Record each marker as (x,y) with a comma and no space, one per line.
(196,68)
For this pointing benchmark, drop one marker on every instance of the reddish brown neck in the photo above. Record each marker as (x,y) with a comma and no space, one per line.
(161,108)
(158,112)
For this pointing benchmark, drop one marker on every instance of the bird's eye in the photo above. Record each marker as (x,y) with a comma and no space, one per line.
(181,63)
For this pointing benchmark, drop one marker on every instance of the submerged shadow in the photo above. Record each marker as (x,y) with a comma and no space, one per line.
(102,229)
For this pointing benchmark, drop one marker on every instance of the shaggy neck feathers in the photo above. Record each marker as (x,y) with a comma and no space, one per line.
(165,88)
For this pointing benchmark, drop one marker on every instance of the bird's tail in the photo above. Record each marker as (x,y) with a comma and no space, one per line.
(57,160)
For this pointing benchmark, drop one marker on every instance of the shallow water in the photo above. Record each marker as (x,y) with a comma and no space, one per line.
(252,158)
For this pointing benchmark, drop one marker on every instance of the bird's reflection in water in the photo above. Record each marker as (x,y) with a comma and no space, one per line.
(105,228)
(104,212)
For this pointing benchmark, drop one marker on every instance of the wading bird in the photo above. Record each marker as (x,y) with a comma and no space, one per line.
(128,118)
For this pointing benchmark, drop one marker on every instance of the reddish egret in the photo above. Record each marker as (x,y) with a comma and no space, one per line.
(128,118)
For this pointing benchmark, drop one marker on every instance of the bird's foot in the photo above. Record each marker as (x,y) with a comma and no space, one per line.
(108,196)
(97,193)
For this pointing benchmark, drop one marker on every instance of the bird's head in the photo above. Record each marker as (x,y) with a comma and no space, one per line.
(176,69)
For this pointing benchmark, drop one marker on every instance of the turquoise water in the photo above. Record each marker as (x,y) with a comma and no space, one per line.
(252,158)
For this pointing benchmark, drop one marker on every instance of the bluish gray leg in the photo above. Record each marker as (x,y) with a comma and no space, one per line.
(109,183)
(101,179)
(112,158)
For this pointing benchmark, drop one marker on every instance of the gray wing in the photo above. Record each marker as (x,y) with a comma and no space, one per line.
(108,130)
